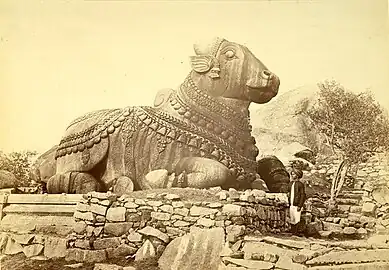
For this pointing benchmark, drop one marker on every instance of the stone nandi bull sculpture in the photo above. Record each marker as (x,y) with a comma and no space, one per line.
(199,135)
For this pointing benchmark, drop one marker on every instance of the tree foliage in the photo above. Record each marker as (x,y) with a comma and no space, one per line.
(18,163)
(354,123)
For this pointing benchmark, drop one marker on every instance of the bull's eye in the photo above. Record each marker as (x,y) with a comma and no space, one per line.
(230,54)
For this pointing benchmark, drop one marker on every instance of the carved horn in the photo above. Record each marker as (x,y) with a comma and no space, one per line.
(208,48)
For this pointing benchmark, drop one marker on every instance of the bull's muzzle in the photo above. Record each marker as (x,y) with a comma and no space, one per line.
(264,87)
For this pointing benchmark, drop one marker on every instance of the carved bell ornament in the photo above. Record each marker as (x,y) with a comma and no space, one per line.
(214,73)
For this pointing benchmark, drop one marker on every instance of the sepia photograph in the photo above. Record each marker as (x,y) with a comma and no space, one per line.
(194,135)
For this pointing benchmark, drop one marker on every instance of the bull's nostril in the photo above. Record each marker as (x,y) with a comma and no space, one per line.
(266,73)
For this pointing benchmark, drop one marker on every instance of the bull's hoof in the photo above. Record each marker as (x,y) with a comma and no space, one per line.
(84,183)
(123,185)
(182,179)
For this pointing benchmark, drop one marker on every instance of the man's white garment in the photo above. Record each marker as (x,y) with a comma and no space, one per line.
(293,212)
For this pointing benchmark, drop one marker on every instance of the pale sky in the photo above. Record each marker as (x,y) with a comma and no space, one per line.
(60,59)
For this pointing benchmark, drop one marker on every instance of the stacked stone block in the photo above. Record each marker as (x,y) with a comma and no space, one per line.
(108,227)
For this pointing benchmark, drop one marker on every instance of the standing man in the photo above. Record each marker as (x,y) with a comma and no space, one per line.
(296,199)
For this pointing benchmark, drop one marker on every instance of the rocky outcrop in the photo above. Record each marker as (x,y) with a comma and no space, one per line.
(351,257)
(265,252)
(214,252)
(31,245)
(44,166)
(280,125)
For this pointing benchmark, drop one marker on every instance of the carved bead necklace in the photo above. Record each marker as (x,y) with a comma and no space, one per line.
(201,110)
(211,105)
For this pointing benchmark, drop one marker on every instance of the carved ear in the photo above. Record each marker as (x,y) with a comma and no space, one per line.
(201,63)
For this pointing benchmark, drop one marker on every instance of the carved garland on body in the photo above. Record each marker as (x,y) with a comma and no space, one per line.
(168,127)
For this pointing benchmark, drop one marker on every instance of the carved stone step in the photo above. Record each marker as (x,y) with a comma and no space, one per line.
(347,201)
(295,244)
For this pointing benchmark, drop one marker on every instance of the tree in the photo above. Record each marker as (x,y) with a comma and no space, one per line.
(18,163)
(355,126)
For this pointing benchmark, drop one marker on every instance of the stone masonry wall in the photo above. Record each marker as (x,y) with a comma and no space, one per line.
(108,226)
(375,170)
(363,208)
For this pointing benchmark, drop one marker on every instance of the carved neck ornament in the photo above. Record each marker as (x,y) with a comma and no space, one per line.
(205,110)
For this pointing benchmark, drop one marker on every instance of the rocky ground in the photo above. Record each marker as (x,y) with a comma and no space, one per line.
(253,252)
(307,253)
(20,262)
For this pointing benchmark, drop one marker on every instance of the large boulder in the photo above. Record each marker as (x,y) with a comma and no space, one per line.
(381,195)
(200,248)
(281,127)
(7,179)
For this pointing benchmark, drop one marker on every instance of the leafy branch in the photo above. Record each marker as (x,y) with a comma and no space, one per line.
(18,163)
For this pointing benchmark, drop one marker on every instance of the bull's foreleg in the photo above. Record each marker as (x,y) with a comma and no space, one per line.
(194,172)
(200,172)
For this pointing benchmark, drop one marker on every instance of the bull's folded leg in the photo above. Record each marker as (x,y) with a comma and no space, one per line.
(123,185)
(72,182)
(202,173)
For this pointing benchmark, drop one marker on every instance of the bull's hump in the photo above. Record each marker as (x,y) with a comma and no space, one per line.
(88,116)
(90,129)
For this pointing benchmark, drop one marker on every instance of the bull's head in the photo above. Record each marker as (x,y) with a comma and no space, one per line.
(227,69)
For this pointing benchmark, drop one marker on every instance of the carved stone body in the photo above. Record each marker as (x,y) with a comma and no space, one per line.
(200,133)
